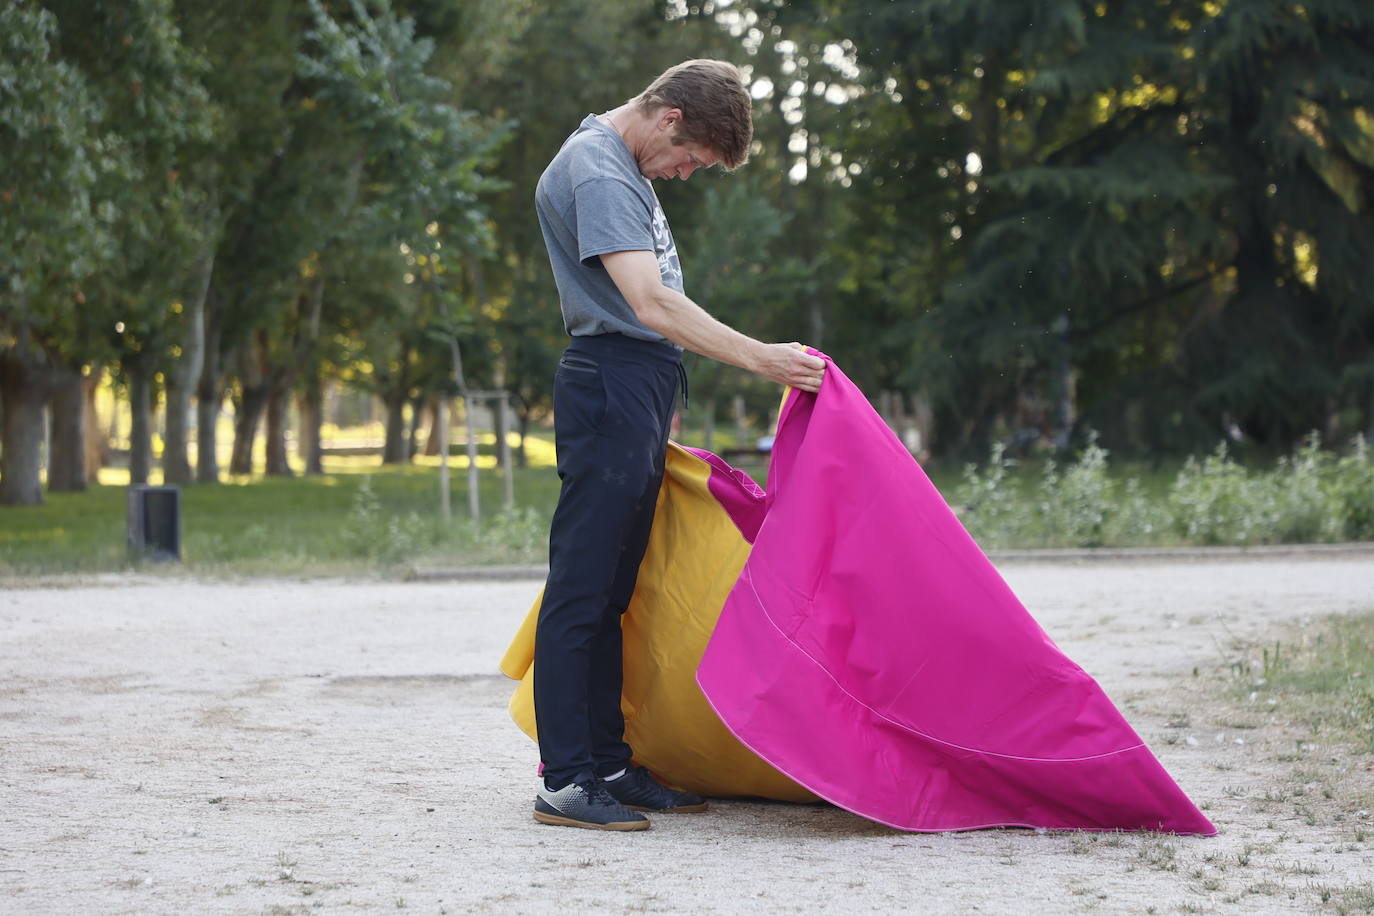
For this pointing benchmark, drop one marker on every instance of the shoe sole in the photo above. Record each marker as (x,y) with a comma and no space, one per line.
(556,821)
(683,809)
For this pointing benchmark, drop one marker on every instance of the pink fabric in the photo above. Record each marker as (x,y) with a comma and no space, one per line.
(743,500)
(872,653)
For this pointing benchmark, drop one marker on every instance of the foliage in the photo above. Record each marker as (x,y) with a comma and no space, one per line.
(1312,496)
(47,223)
(1146,218)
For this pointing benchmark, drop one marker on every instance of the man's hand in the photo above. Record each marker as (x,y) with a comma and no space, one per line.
(670,313)
(790,364)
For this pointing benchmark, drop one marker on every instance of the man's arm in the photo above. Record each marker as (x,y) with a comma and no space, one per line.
(687,324)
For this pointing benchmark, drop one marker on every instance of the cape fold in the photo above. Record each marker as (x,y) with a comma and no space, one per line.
(857,644)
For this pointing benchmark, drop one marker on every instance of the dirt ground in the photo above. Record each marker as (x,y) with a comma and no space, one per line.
(172,746)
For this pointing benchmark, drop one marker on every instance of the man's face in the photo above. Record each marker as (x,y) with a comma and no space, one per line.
(663,158)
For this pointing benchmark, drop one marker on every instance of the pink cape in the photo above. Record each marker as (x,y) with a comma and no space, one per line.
(870,651)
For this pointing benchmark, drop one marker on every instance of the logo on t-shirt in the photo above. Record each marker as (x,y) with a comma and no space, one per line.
(669,268)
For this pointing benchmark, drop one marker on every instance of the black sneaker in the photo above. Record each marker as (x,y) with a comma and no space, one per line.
(639,791)
(585,804)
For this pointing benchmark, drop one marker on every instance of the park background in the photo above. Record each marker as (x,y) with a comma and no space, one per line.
(251,248)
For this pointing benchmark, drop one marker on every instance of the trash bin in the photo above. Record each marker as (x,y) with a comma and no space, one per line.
(154,519)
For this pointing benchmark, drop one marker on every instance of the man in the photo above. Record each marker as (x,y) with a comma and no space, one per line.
(620,286)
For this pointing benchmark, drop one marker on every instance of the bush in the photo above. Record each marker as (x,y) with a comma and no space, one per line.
(991,509)
(1310,496)
(1214,501)
(385,538)
(1076,505)
(1352,488)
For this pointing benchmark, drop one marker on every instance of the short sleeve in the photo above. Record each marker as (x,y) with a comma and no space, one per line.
(611,216)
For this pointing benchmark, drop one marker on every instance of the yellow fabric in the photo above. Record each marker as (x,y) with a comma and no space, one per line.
(695,554)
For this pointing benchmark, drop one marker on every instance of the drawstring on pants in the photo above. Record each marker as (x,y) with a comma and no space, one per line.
(682,376)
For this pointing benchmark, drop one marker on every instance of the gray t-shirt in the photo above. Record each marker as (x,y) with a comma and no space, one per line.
(592,200)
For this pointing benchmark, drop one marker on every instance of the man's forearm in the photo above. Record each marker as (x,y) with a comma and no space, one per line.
(691,327)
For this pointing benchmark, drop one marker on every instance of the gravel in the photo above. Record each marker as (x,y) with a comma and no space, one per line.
(171,746)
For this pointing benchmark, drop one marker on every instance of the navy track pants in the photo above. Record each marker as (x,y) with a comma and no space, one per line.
(613,404)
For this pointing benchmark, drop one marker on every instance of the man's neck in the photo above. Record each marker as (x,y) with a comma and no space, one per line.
(629,123)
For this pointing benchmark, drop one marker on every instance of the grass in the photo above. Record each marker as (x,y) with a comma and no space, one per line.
(362,517)
(1321,676)
(1314,686)
(357,517)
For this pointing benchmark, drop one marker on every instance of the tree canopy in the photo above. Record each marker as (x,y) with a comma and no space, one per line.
(1027,218)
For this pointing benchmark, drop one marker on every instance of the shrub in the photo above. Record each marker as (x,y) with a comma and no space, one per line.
(1309,496)
(387,538)
(1077,504)
(1213,501)
(1352,488)
(990,507)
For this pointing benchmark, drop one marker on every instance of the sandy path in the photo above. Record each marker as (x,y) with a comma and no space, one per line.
(170,746)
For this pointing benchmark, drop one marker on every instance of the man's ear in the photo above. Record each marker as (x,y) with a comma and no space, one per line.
(668,117)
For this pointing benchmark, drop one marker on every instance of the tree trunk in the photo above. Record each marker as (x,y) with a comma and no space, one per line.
(97,438)
(815,319)
(925,425)
(255,385)
(140,423)
(209,396)
(1066,413)
(311,403)
(432,440)
(278,402)
(708,436)
(23,387)
(176,462)
(393,452)
(417,413)
(522,422)
(184,375)
(207,438)
(67,460)
(246,420)
(311,408)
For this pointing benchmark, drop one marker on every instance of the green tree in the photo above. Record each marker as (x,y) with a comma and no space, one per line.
(154,108)
(50,236)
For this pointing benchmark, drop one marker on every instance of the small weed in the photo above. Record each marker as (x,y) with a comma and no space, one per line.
(1159,854)
(1359,898)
